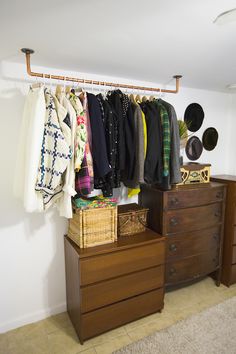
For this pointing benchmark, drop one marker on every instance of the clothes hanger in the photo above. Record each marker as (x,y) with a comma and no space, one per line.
(36,84)
(50,83)
(68,90)
(138,98)
(92,87)
(82,91)
(44,80)
(64,86)
(131,97)
(58,90)
(144,98)
(77,89)
(73,88)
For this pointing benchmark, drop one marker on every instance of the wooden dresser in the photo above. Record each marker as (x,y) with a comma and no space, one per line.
(229,245)
(110,285)
(192,220)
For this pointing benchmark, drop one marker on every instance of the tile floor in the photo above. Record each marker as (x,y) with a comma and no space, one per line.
(55,335)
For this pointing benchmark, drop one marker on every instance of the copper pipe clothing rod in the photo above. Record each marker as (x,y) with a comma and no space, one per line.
(28,52)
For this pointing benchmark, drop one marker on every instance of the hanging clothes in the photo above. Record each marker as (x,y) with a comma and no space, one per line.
(130,143)
(86,141)
(153,166)
(110,125)
(28,152)
(114,99)
(141,149)
(81,131)
(55,153)
(175,174)
(99,149)
(89,142)
(84,177)
(82,180)
(166,137)
(138,148)
(64,203)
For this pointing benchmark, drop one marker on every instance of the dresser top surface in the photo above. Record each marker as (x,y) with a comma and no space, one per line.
(224,178)
(123,242)
(187,187)
(201,186)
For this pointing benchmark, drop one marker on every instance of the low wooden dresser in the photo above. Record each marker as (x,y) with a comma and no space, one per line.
(110,285)
(229,245)
(192,219)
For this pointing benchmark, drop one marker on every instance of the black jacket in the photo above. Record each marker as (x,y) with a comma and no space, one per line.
(153,166)
(115,99)
(112,179)
(99,149)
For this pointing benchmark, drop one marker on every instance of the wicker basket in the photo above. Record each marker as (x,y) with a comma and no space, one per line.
(132,219)
(93,227)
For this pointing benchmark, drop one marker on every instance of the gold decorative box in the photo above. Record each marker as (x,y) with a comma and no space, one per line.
(194,173)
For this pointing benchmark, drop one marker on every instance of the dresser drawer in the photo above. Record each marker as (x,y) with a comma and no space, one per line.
(193,218)
(192,197)
(102,267)
(234,233)
(233,274)
(234,255)
(114,290)
(192,243)
(191,267)
(99,321)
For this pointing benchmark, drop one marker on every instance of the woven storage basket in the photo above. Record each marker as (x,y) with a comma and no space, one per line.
(93,227)
(132,219)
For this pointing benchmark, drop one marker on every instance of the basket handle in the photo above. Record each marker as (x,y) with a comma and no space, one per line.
(132,219)
(142,222)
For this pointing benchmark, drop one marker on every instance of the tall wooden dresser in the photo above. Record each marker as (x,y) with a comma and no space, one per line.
(229,246)
(192,219)
(110,285)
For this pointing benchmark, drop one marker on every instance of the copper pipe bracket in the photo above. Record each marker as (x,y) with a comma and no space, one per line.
(27,51)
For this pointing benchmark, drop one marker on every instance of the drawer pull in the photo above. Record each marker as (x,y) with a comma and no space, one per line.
(173,221)
(217,213)
(174,201)
(172,271)
(172,247)
(219,195)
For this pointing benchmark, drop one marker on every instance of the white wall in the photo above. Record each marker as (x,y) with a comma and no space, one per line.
(32,273)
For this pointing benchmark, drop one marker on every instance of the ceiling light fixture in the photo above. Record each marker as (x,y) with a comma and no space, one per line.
(225,17)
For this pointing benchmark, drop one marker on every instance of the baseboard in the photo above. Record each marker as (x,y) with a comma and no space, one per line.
(32,317)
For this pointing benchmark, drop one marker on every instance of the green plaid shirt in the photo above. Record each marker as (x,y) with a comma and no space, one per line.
(166,138)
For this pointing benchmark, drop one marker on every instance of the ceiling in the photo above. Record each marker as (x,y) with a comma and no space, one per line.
(149,40)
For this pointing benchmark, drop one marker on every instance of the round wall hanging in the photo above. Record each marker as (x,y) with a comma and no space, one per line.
(193,117)
(210,138)
(194,148)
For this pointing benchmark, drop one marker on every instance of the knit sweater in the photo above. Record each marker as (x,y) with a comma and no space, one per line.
(55,153)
